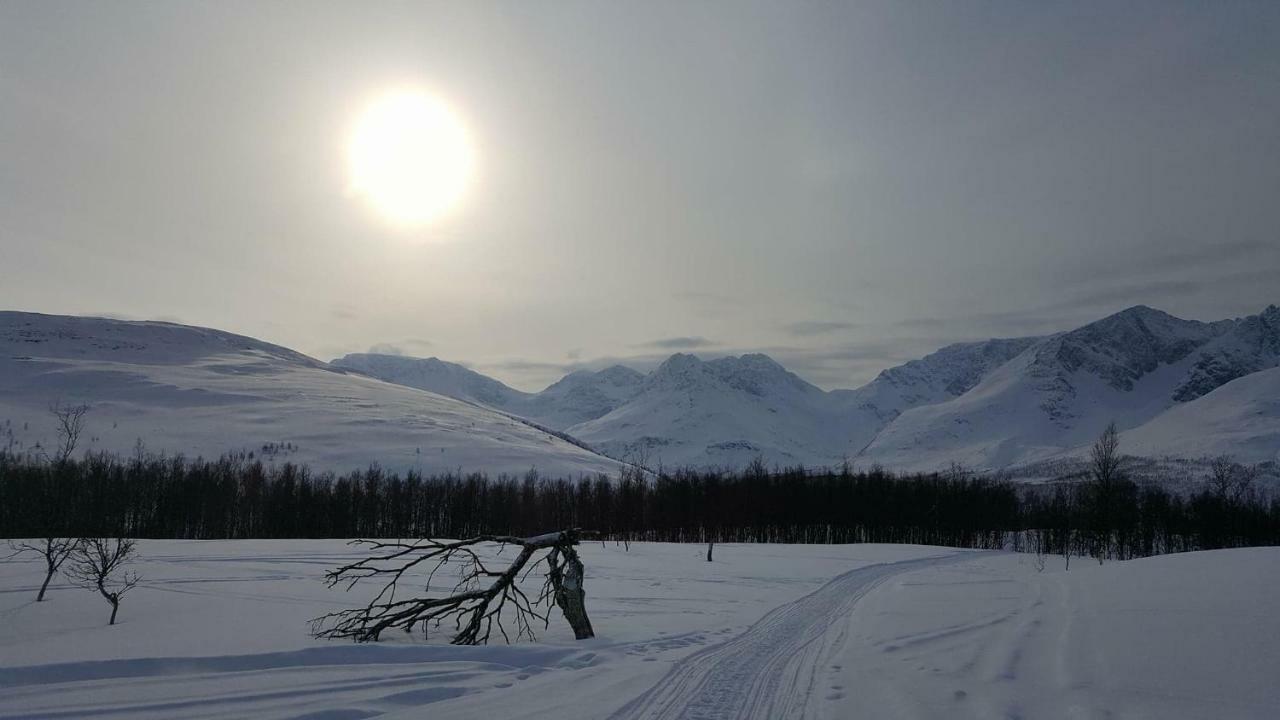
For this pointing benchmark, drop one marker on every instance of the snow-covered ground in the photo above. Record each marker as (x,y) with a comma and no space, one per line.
(218,630)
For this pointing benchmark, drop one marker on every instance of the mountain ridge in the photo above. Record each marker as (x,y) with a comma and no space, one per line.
(988,404)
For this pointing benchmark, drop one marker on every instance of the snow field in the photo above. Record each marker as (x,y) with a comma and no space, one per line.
(219,630)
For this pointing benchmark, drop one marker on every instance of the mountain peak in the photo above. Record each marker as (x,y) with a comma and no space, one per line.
(678,371)
(681,359)
(1123,347)
(1140,313)
(1141,310)
(620,374)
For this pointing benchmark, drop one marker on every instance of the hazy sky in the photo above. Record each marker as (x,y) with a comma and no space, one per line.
(842,185)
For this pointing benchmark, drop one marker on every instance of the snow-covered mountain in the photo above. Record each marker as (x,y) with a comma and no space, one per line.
(1056,395)
(577,397)
(723,412)
(936,378)
(686,412)
(190,390)
(1245,346)
(1174,387)
(440,377)
(1240,418)
(990,404)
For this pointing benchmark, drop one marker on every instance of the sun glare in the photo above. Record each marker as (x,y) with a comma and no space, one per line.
(411,157)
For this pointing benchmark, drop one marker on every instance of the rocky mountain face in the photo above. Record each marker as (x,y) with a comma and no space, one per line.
(1055,396)
(1247,346)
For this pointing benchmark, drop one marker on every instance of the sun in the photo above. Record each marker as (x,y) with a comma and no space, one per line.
(411,157)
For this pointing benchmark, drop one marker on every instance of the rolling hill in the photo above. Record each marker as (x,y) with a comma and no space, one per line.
(195,391)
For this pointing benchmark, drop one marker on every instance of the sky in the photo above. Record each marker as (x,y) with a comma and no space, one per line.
(841,185)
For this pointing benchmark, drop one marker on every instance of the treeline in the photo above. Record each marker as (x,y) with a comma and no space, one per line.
(235,497)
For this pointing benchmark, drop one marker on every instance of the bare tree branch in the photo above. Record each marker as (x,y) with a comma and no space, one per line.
(480,594)
(70,424)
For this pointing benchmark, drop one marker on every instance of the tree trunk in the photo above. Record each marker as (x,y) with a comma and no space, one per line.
(571,597)
(115,606)
(710,546)
(44,586)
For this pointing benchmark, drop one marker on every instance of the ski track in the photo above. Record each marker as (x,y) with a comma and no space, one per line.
(770,671)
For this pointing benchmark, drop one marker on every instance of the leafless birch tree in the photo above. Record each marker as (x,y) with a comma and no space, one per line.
(70,424)
(54,552)
(1230,480)
(98,564)
(1105,473)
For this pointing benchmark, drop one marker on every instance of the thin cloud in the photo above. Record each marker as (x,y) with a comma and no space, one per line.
(680,343)
(816,327)
(343,312)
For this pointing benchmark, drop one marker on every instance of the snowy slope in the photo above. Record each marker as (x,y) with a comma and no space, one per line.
(204,392)
(935,378)
(1240,418)
(576,398)
(583,395)
(1061,391)
(435,375)
(724,412)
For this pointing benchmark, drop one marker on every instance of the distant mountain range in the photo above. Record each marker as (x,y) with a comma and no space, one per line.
(1176,388)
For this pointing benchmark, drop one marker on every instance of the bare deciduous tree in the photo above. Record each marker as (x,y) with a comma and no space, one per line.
(1105,474)
(1245,478)
(473,608)
(1104,457)
(55,551)
(1230,480)
(70,424)
(98,564)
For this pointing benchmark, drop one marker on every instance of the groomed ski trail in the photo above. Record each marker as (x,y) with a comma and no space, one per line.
(770,671)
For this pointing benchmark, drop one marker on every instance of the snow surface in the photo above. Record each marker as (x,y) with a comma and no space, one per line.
(218,630)
(202,392)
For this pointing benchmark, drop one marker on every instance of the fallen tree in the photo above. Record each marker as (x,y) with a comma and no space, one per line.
(482,593)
